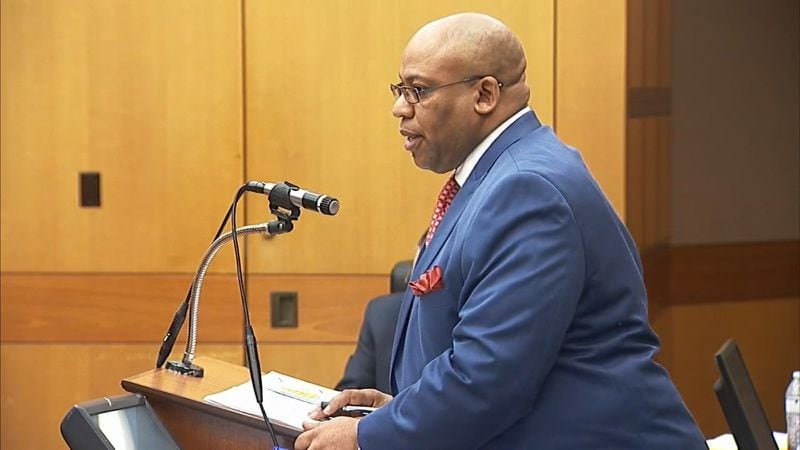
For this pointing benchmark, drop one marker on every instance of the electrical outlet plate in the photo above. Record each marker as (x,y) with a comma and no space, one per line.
(283,309)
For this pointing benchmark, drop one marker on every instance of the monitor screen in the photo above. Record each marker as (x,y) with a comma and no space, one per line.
(130,428)
(121,423)
(739,401)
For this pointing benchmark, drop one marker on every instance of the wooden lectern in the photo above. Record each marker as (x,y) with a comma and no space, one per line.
(195,424)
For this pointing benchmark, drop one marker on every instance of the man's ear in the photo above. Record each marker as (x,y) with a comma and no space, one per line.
(488,95)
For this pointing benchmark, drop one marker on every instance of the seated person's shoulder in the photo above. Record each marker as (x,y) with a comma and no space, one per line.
(385,305)
(386,300)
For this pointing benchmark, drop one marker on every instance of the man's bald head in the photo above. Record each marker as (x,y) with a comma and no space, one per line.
(461,77)
(474,44)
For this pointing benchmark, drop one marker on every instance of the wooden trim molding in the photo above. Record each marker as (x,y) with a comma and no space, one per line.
(694,274)
(137,308)
(730,272)
(649,102)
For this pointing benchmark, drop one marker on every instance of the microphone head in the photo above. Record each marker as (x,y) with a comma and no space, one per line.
(329,206)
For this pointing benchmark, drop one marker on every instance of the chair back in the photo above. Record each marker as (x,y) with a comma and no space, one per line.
(398,277)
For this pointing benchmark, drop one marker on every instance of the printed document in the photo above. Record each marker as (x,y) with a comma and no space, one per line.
(287,400)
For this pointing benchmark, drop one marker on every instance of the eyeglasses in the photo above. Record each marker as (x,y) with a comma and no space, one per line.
(413,94)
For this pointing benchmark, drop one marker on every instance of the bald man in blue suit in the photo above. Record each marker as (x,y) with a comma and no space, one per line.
(527,324)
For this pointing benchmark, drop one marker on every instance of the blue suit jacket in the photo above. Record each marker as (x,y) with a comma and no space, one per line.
(540,338)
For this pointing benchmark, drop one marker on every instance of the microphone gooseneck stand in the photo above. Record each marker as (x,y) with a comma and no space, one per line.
(286,195)
(186,365)
(180,315)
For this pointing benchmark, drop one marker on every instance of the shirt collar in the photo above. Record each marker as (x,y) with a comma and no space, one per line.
(465,169)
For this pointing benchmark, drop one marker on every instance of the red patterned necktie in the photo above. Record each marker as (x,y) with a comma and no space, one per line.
(449,192)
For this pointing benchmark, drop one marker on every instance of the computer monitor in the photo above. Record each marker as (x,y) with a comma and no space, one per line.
(125,422)
(740,403)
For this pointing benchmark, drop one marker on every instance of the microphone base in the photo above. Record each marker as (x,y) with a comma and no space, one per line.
(191,370)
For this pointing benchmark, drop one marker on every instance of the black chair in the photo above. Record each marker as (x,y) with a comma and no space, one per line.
(398,277)
(740,403)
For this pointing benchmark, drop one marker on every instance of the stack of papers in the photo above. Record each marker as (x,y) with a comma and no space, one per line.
(287,400)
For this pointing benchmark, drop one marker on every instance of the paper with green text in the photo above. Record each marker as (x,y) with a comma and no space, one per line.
(287,400)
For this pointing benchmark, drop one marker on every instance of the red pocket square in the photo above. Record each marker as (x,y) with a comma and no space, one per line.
(430,281)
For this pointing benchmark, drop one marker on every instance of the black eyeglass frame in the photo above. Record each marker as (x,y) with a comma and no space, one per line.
(413,94)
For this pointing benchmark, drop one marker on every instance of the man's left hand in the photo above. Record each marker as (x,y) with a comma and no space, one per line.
(335,434)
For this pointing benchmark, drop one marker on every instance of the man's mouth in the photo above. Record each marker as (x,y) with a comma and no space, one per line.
(411,141)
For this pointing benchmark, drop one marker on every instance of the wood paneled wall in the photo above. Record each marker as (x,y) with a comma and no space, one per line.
(647,153)
(647,144)
(137,308)
(700,295)
(147,93)
(40,383)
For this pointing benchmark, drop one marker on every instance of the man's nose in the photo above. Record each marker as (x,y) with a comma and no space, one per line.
(402,109)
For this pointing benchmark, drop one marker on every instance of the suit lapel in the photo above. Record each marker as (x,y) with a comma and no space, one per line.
(526,124)
(399,333)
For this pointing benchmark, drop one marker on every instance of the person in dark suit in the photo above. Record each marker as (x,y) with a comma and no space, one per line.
(526,322)
(368,366)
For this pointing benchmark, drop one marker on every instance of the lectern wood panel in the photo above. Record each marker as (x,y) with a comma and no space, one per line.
(198,425)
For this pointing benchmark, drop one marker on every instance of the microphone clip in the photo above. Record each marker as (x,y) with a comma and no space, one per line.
(280,203)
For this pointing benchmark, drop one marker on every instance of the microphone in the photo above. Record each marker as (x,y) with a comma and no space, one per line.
(287,195)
